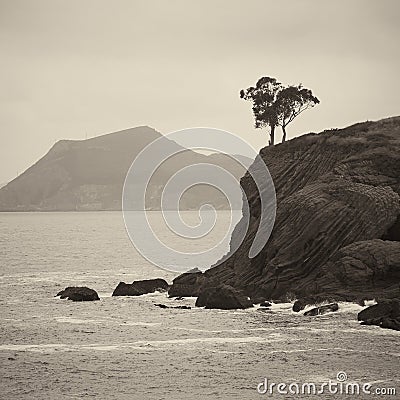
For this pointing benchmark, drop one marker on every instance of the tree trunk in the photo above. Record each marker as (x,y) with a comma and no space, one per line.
(284,134)
(272,136)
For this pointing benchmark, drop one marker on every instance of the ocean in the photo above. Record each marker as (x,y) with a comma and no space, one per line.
(127,348)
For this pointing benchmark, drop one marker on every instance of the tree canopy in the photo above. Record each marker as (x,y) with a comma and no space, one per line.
(263,97)
(277,105)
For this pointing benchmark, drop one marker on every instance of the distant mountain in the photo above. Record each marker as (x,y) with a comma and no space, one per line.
(78,175)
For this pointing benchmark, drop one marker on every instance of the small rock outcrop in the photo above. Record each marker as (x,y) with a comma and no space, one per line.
(223,297)
(299,305)
(78,293)
(317,300)
(137,288)
(385,314)
(187,284)
(385,308)
(322,310)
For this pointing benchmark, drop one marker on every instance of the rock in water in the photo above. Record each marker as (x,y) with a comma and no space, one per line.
(322,310)
(385,308)
(187,284)
(78,293)
(161,305)
(223,297)
(137,288)
(337,219)
(390,323)
(385,314)
(374,321)
(299,305)
(178,307)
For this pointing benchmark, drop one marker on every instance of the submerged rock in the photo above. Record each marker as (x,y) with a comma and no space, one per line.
(137,288)
(372,321)
(322,310)
(223,297)
(179,307)
(78,293)
(265,304)
(161,305)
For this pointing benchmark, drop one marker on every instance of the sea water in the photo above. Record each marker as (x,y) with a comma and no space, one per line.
(127,348)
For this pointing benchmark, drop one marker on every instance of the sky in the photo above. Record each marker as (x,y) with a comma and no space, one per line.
(72,69)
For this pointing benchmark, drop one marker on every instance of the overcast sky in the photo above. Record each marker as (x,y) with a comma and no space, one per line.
(73,68)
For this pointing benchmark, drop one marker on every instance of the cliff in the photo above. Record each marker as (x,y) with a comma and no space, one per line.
(79,175)
(337,227)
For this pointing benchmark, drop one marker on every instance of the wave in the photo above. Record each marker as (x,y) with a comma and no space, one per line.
(70,320)
(141,344)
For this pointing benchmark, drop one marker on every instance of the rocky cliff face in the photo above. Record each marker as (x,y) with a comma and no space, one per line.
(337,232)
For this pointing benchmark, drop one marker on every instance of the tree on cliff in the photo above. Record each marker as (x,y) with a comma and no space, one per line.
(263,96)
(290,102)
(276,105)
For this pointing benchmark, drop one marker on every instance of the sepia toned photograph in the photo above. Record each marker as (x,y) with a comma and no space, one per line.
(199,199)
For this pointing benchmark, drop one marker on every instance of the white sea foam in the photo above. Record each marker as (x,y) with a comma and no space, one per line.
(335,349)
(266,329)
(161,344)
(42,348)
(344,307)
(138,323)
(103,295)
(352,308)
(141,344)
(69,320)
(281,306)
